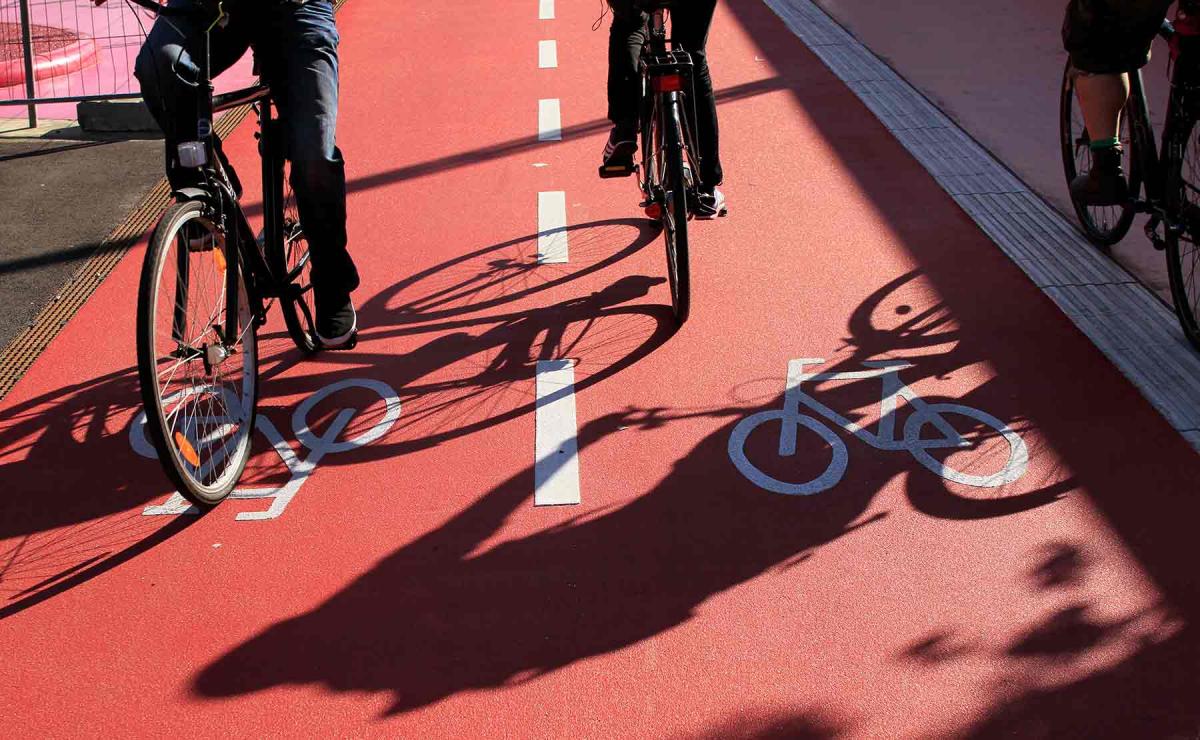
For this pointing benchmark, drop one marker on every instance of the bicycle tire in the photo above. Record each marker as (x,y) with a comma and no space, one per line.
(179,439)
(675,214)
(1103,226)
(291,262)
(1183,252)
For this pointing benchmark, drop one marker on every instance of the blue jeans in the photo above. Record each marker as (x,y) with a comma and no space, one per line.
(296,46)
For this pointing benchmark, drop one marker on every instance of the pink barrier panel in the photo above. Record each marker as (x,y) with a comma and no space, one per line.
(79,50)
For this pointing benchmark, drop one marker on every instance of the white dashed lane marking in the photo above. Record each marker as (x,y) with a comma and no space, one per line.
(552,228)
(549,120)
(547,54)
(556,448)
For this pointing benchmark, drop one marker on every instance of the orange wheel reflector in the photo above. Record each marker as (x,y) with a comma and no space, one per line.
(219,258)
(185,448)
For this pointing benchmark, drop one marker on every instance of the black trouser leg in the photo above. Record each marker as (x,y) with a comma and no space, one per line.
(625,40)
(690,29)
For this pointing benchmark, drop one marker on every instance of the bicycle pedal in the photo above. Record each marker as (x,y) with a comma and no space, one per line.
(616,170)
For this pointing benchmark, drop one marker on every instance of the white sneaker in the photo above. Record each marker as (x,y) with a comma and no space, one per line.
(712,205)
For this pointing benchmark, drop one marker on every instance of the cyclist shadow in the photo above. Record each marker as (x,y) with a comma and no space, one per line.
(92,512)
(437,617)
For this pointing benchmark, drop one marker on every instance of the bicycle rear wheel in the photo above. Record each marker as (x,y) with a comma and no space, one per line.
(199,387)
(1102,225)
(291,261)
(1183,201)
(675,210)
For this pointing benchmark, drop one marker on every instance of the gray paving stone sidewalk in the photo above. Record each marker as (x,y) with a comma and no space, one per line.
(62,191)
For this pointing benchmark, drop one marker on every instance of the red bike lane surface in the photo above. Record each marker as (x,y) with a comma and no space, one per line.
(412,588)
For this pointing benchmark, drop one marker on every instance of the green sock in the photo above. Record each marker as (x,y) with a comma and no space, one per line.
(1104,143)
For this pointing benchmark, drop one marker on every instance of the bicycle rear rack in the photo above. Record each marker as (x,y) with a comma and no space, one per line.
(670,72)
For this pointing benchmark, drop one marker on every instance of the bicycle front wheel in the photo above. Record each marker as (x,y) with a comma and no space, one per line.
(1183,202)
(1102,225)
(675,183)
(198,371)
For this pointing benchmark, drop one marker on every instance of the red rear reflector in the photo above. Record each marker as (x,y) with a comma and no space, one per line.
(667,83)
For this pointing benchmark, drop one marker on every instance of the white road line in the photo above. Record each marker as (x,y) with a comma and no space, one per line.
(556,448)
(547,54)
(549,120)
(546,10)
(552,228)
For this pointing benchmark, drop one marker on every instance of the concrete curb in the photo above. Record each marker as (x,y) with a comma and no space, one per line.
(115,115)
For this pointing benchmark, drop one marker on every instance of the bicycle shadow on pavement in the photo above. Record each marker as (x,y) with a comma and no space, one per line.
(506,273)
(74,508)
(437,617)
(69,512)
(440,616)
(459,367)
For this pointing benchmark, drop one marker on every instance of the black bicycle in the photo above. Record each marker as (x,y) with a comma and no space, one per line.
(206,285)
(670,159)
(1170,176)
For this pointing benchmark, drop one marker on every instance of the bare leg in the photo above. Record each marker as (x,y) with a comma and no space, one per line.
(1101,98)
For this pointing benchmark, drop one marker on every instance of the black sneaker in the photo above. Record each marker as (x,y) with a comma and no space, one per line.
(337,322)
(618,155)
(1104,184)
(711,205)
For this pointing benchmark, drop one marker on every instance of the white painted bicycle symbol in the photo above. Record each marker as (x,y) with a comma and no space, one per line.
(923,415)
(300,470)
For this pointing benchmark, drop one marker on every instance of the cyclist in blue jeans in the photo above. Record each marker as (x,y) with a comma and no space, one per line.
(1107,39)
(690,23)
(296,46)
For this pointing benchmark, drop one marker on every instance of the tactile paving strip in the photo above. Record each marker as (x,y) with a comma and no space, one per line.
(25,348)
(1123,319)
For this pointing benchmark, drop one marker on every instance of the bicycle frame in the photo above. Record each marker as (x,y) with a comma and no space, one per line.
(668,78)
(1150,157)
(222,191)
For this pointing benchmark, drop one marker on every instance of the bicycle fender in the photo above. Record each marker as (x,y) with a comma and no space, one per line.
(185,194)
